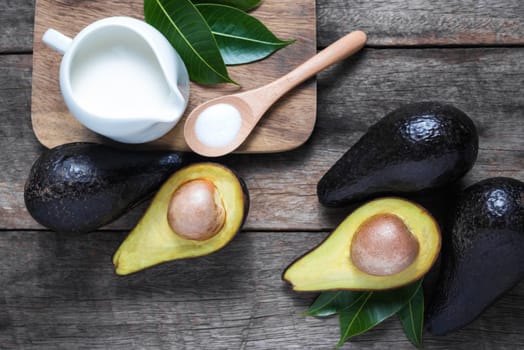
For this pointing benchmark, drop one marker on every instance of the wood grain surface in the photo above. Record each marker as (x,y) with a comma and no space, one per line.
(16,25)
(287,125)
(425,22)
(60,292)
(389,22)
(65,295)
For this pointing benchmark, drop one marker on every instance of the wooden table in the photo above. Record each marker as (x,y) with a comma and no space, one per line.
(60,292)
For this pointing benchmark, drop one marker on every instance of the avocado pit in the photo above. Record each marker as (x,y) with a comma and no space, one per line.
(196,211)
(383,245)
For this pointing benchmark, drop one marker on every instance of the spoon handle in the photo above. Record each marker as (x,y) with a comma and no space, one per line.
(337,51)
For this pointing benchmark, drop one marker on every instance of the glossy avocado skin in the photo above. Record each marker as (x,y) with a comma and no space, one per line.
(79,187)
(484,257)
(417,147)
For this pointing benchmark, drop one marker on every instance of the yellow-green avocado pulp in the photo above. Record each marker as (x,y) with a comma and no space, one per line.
(153,240)
(331,266)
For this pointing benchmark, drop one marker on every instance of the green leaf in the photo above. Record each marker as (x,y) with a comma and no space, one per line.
(188,32)
(412,317)
(371,309)
(329,303)
(241,38)
(245,5)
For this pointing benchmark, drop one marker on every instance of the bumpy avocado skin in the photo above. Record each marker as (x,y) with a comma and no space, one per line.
(484,257)
(417,147)
(79,187)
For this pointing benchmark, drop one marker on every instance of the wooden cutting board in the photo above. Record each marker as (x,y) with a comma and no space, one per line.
(287,125)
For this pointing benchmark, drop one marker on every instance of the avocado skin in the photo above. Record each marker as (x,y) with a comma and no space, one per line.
(247,199)
(484,257)
(79,187)
(416,147)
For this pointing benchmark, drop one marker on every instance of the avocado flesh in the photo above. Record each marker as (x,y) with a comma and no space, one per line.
(152,241)
(79,187)
(417,147)
(329,265)
(484,257)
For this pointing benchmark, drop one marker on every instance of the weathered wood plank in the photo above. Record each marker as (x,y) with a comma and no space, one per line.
(423,22)
(486,83)
(388,22)
(15,126)
(16,25)
(17,140)
(61,293)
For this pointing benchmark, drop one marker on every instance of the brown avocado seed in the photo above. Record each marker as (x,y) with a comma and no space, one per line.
(196,210)
(383,245)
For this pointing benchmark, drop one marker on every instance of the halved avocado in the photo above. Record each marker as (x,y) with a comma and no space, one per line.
(197,211)
(384,244)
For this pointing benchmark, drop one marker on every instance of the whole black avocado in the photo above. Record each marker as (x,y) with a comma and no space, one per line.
(419,146)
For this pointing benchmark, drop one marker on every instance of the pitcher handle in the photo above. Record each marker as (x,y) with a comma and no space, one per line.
(57,41)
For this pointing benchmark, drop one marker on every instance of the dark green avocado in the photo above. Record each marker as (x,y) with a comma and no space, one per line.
(79,187)
(484,257)
(417,147)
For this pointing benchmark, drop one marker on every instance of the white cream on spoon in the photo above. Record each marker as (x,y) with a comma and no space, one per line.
(218,125)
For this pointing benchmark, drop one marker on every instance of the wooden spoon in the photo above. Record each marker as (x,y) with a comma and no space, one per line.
(254,103)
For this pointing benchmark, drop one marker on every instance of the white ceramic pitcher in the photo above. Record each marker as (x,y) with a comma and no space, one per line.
(121,78)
